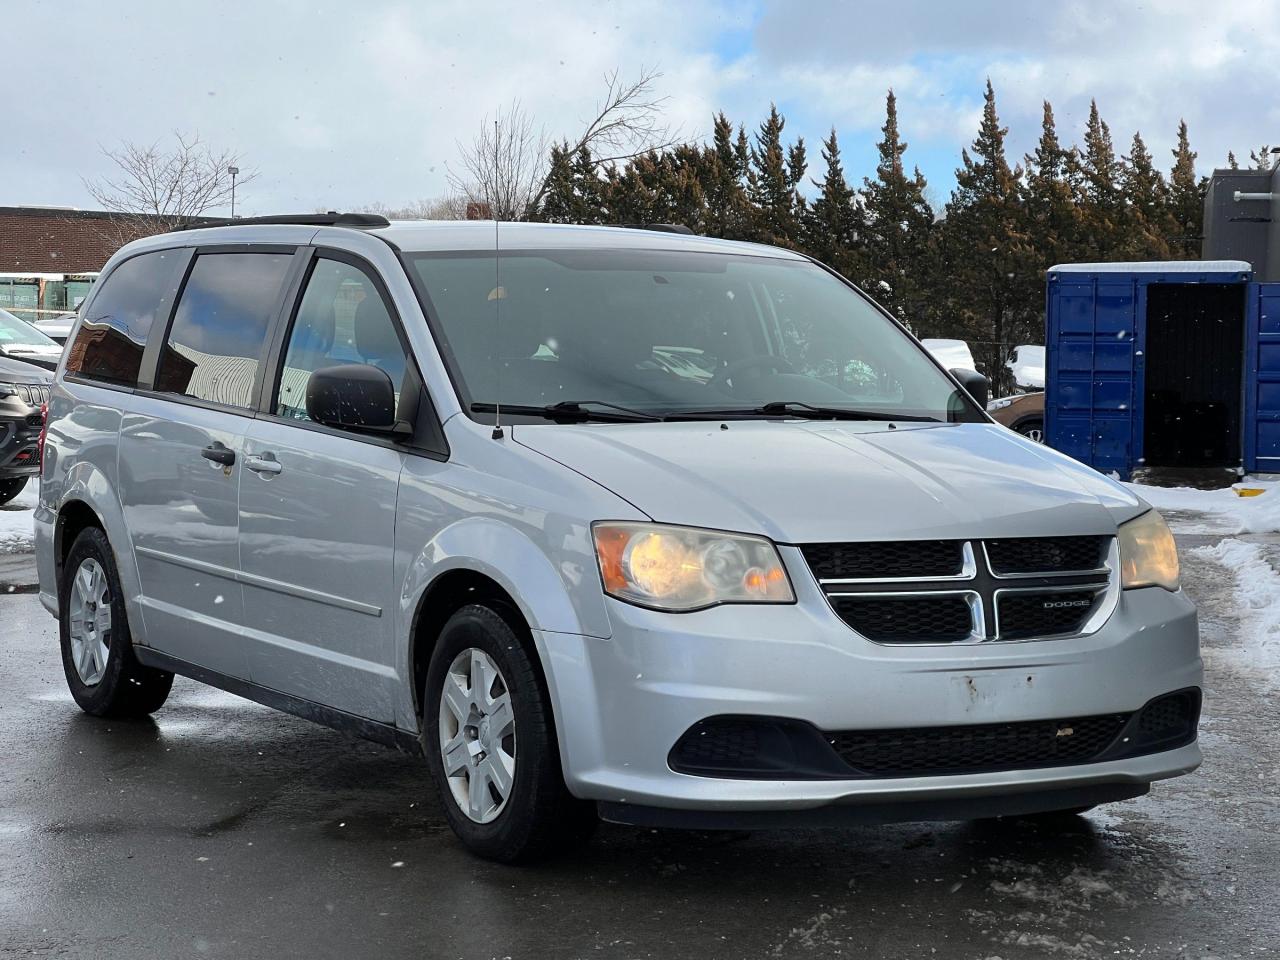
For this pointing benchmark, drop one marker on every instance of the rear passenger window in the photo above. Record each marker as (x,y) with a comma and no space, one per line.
(109,344)
(342,319)
(224,312)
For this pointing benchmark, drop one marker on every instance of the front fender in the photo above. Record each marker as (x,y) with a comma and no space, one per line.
(566,599)
(560,597)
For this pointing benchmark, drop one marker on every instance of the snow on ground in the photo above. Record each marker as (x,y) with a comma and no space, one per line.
(17,532)
(1257,595)
(1225,511)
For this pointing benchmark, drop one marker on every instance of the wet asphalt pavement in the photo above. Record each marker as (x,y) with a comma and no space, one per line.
(222,829)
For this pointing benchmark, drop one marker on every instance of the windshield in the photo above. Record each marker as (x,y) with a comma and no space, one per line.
(16,331)
(671,332)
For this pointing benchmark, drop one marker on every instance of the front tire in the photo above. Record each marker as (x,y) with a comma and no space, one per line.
(104,676)
(11,488)
(489,738)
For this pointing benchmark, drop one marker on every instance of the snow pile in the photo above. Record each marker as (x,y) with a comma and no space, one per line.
(952,354)
(17,530)
(1257,588)
(1027,366)
(1227,512)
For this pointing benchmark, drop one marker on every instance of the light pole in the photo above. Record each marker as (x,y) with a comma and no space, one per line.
(234,171)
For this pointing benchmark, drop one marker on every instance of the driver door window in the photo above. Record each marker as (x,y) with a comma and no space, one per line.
(342,319)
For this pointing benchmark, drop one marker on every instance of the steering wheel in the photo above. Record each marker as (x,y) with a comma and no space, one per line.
(726,373)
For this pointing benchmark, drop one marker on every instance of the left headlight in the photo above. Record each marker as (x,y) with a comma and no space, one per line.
(1148,555)
(683,568)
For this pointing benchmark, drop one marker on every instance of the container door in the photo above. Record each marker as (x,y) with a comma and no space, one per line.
(1091,376)
(1261,426)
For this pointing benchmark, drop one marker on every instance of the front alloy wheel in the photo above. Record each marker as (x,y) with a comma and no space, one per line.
(477,735)
(489,738)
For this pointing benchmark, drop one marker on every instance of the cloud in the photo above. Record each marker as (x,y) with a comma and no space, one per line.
(341,103)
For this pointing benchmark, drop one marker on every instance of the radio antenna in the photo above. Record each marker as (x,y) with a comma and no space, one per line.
(498,294)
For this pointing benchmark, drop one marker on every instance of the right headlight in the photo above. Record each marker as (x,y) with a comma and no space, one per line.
(680,569)
(1148,555)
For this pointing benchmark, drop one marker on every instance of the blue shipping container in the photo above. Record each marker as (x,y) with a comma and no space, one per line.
(1163,365)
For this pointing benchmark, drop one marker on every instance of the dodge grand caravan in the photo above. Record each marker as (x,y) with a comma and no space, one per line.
(602,522)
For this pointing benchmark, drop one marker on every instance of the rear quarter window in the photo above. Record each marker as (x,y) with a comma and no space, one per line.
(108,346)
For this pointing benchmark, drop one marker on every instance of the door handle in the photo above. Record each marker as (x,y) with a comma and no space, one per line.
(264,464)
(219,452)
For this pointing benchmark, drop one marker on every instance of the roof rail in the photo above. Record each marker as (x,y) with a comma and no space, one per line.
(660,227)
(330,219)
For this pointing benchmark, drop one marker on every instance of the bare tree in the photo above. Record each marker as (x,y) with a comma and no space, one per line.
(449,207)
(505,167)
(155,188)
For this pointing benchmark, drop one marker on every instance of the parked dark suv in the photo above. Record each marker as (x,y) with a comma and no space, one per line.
(24,388)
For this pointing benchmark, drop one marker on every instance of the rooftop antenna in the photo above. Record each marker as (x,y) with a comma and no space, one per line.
(498,293)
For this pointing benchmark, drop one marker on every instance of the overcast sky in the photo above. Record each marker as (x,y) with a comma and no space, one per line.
(340,104)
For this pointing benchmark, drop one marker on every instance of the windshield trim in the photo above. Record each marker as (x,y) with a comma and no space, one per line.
(466,401)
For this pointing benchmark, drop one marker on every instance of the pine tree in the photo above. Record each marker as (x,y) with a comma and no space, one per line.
(898,227)
(1263,158)
(833,228)
(1147,205)
(774,175)
(722,172)
(1050,211)
(575,190)
(559,203)
(1103,213)
(1186,198)
(986,255)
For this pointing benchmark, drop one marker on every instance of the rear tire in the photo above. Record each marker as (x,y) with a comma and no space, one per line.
(104,676)
(11,488)
(502,792)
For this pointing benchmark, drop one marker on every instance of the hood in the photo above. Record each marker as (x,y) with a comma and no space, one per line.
(810,481)
(19,371)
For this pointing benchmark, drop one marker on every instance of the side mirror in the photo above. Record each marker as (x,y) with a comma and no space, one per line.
(353,396)
(975,384)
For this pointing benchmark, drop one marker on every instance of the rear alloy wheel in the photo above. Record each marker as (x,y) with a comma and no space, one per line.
(104,676)
(1033,430)
(490,742)
(11,488)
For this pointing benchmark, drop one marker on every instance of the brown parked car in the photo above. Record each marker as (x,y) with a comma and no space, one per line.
(1023,412)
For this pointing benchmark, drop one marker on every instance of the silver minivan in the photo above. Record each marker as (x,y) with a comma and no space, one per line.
(603,522)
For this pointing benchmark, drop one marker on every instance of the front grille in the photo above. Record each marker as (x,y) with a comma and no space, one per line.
(947,591)
(900,558)
(930,751)
(1024,615)
(30,393)
(1046,554)
(780,748)
(939,618)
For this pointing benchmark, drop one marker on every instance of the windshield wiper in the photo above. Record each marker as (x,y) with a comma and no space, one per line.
(571,411)
(807,411)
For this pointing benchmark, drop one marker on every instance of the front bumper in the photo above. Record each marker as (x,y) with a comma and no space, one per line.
(622,703)
(19,456)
